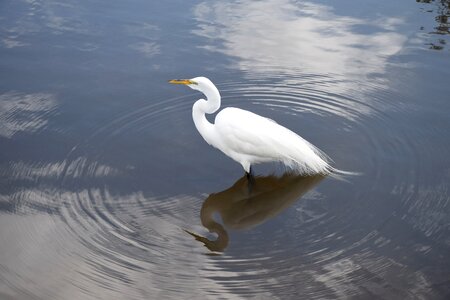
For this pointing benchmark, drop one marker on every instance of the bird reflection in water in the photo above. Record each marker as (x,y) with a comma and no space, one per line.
(241,208)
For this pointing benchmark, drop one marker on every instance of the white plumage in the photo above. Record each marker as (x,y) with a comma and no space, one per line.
(249,138)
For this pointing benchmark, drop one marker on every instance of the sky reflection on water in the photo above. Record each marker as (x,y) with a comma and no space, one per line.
(102,171)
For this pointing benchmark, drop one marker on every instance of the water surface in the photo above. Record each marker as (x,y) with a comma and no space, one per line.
(107,191)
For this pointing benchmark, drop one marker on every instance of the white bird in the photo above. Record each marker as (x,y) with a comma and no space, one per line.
(249,138)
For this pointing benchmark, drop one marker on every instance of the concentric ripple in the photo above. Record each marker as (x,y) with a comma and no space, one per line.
(126,205)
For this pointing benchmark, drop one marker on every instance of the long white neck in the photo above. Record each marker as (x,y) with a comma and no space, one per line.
(202,107)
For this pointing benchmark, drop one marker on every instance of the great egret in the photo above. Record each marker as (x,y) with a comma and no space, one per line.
(249,138)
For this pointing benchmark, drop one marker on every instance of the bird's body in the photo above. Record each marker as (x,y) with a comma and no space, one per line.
(249,138)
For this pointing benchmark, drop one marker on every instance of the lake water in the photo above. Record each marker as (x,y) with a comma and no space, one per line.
(107,191)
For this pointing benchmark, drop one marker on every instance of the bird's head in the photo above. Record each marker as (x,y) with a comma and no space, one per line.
(198,83)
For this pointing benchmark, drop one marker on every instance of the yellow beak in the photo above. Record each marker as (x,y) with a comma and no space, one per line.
(182,81)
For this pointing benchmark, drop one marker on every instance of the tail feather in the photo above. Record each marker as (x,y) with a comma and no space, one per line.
(307,159)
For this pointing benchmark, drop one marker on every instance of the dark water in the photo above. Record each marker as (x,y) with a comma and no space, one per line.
(107,191)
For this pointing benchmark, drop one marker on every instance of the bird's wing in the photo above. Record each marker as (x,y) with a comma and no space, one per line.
(246,136)
(244,132)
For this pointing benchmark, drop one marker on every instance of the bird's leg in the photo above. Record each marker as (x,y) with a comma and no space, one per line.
(249,173)
(251,180)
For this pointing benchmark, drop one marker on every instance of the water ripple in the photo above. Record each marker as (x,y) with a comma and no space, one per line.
(126,210)
(27,113)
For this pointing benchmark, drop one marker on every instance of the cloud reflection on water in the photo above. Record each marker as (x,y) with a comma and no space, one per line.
(287,35)
(65,25)
(86,255)
(24,112)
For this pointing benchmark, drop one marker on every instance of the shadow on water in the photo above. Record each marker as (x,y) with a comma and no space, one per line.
(242,208)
